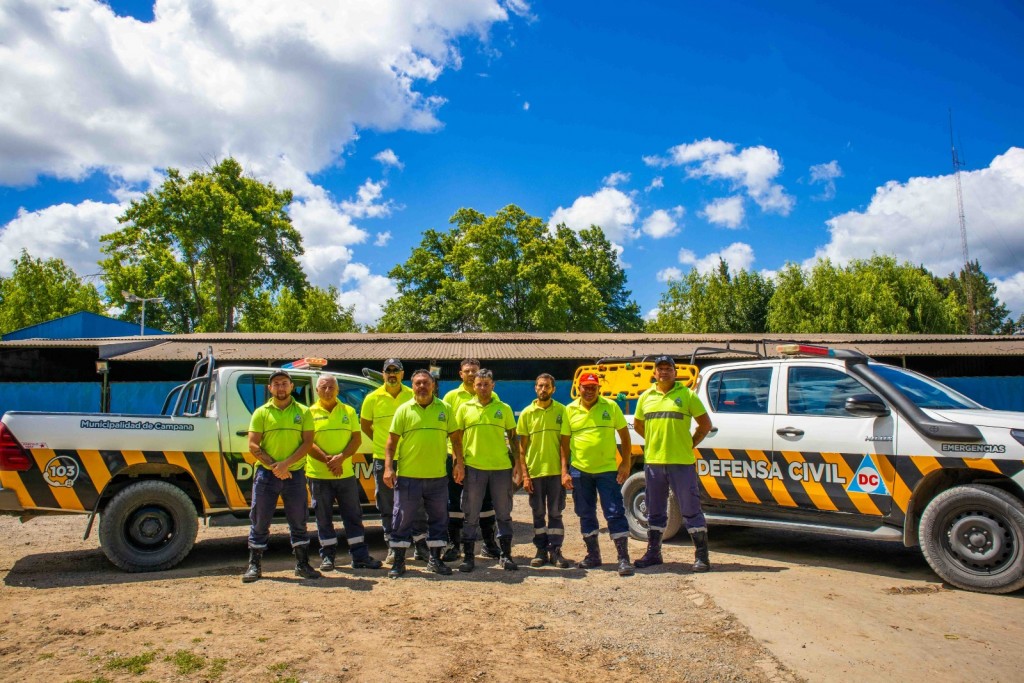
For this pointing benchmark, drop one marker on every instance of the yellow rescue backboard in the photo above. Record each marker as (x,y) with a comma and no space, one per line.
(629,379)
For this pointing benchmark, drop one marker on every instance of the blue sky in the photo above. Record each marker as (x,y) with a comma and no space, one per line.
(761,132)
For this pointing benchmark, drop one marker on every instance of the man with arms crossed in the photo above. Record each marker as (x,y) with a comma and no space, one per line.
(588,440)
(662,418)
(280,435)
(539,429)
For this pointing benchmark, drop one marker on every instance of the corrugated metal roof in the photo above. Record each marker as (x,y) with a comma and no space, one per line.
(511,346)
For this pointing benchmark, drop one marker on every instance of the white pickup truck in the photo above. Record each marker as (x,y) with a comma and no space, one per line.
(830,441)
(151,477)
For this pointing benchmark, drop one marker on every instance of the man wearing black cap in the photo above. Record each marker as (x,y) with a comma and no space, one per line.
(280,435)
(662,418)
(378,409)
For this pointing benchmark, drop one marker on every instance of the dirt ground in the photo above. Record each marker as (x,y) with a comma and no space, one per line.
(777,607)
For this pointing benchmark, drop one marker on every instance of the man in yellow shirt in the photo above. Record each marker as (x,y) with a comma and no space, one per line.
(420,430)
(455,398)
(483,423)
(539,429)
(280,435)
(589,469)
(662,418)
(336,438)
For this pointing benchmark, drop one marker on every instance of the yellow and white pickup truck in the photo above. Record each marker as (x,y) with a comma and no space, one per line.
(830,441)
(151,477)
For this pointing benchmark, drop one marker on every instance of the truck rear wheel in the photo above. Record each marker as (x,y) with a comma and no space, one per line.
(973,538)
(634,495)
(148,526)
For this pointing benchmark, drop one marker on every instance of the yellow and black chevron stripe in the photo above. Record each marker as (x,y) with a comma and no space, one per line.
(829,492)
(224,481)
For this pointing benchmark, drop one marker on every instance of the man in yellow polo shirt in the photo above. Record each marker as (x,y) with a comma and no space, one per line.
(483,423)
(420,431)
(589,469)
(336,438)
(662,418)
(280,435)
(539,429)
(378,409)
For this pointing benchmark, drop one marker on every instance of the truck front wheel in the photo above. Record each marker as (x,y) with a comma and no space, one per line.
(148,526)
(973,538)
(634,495)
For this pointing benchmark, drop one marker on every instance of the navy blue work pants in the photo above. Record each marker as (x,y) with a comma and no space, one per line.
(586,489)
(413,495)
(682,480)
(266,488)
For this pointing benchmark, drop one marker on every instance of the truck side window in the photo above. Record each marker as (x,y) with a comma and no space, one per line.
(740,391)
(821,391)
(352,394)
(253,390)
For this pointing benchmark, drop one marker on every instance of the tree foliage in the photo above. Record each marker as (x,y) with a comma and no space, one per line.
(206,243)
(991,316)
(39,290)
(282,311)
(718,301)
(509,272)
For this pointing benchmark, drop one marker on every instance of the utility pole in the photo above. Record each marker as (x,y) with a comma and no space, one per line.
(972,323)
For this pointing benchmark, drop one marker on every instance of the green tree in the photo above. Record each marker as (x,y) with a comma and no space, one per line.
(509,272)
(875,295)
(282,311)
(39,290)
(718,301)
(991,316)
(205,243)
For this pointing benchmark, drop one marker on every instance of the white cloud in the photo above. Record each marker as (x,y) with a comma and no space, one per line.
(86,90)
(652,314)
(656,184)
(526,106)
(826,174)
(617,178)
(1011,292)
(66,231)
(917,221)
(366,291)
(753,169)
(382,239)
(738,255)
(388,158)
(662,223)
(670,273)
(726,211)
(612,209)
(366,204)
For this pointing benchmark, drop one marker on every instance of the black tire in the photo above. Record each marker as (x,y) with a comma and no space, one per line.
(148,527)
(973,538)
(634,496)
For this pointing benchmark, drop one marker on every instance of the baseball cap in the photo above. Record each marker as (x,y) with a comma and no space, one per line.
(393,362)
(279,373)
(664,359)
(589,378)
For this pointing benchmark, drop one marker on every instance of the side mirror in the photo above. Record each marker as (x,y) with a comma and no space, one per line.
(866,405)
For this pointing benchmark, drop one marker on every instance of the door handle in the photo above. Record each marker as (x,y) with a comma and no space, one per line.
(242,433)
(713,430)
(789,431)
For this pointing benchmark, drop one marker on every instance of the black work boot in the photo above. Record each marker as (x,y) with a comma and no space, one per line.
(487,530)
(505,560)
(361,558)
(422,551)
(302,567)
(468,559)
(436,564)
(653,554)
(593,558)
(622,548)
(255,569)
(541,558)
(452,550)
(398,566)
(557,559)
(327,556)
(700,543)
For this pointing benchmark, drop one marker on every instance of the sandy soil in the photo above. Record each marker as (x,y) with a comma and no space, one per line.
(778,607)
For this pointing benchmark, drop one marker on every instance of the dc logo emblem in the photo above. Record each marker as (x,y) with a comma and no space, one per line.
(441,417)
(344,420)
(61,472)
(605,416)
(558,420)
(679,402)
(297,419)
(497,413)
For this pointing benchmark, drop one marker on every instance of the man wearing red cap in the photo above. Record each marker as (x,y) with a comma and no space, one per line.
(589,469)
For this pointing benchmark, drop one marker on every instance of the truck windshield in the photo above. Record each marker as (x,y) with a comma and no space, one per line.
(924,391)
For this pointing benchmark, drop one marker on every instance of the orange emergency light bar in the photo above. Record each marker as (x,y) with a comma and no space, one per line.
(303,363)
(806,349)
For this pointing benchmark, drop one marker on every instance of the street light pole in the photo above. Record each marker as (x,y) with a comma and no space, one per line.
(132,298)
